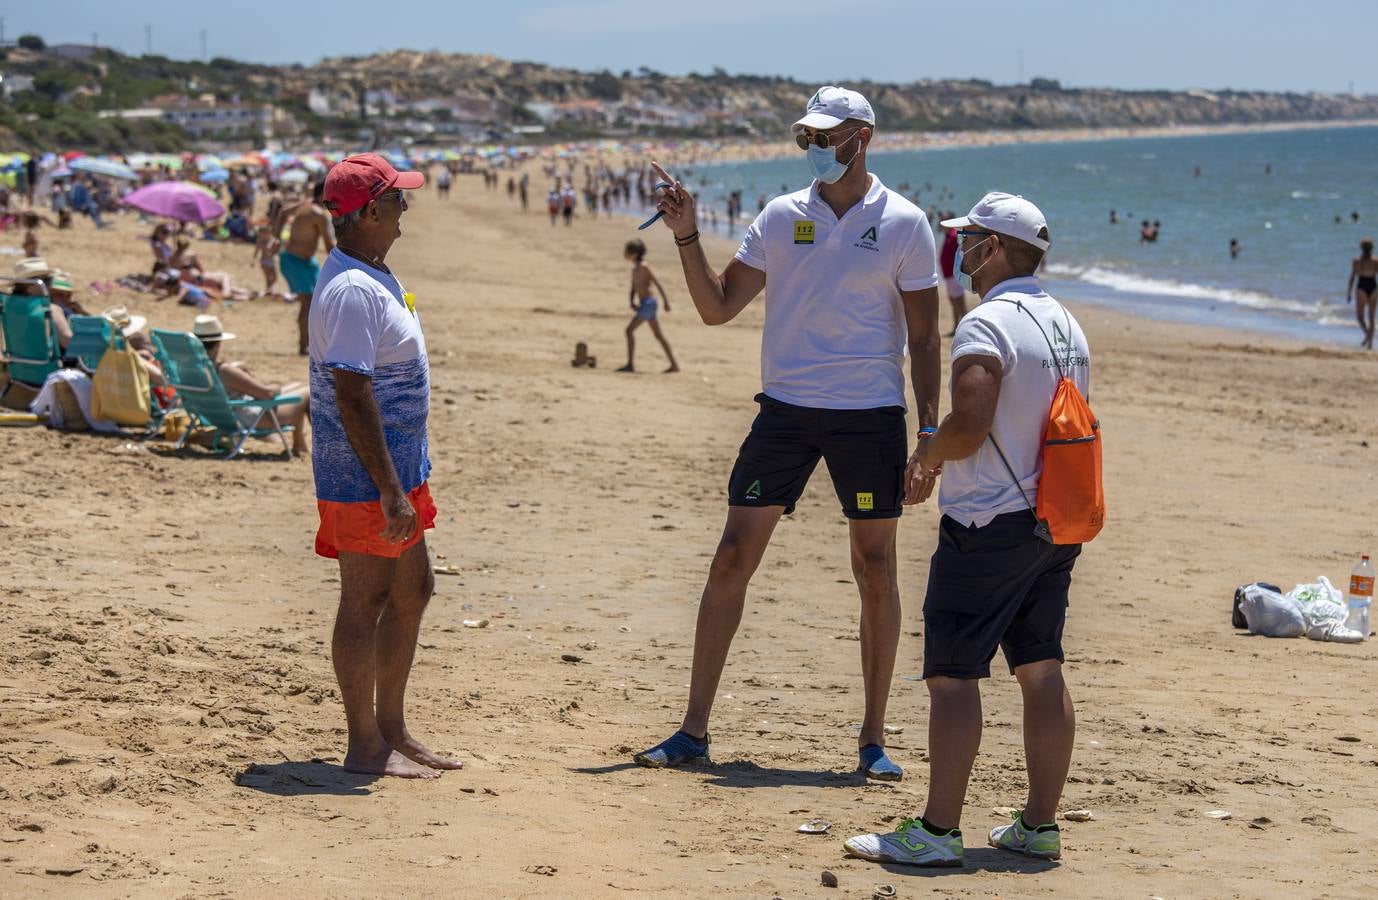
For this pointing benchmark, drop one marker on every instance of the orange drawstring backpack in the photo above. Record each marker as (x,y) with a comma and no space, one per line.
(1071,500)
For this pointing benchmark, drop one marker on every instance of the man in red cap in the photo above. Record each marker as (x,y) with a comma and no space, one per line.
(370,380)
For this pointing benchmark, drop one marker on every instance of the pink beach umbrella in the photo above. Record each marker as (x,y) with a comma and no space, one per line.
(177,200)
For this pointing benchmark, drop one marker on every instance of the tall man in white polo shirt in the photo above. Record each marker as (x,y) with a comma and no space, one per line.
(850,277)
(996,579)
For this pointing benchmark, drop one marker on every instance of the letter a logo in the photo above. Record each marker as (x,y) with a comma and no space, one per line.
(870,234)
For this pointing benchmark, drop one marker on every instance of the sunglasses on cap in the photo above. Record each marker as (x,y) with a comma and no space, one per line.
(822,139)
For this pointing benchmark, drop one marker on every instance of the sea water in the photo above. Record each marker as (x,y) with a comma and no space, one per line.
(1277,193)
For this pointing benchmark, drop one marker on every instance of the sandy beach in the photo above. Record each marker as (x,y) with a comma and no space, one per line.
(170,725)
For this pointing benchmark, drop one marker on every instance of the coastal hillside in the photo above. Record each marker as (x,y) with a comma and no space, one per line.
(729,100)
(95,98)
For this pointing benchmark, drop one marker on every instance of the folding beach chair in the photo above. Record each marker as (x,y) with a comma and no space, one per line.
(31,349)
(90,339)
(188,369)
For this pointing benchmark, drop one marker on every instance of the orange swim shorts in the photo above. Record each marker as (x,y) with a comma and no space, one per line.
(358,527)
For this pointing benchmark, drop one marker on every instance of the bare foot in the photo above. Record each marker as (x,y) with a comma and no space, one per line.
(627,368)
(414,750)
(672,370)
(389,762)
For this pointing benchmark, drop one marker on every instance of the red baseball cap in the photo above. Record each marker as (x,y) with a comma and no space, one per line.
(355,181)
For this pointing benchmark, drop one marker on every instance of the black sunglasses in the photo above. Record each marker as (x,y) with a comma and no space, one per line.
(822,139)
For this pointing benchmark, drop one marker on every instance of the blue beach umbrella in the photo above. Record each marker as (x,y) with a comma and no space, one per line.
(106,167)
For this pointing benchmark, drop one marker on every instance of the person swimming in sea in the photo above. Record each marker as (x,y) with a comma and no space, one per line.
(1363,287)
(644,304)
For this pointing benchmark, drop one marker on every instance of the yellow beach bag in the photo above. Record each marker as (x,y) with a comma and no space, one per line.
(119,389)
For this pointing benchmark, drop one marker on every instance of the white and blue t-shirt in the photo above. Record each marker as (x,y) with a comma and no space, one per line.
(360,322)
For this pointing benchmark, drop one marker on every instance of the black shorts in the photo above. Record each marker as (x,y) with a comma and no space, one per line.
(997,586)
(866,451)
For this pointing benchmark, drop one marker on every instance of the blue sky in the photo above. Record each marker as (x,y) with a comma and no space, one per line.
(1299,45)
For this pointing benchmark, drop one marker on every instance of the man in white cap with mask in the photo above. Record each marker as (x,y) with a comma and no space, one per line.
(850,276)
(996,579)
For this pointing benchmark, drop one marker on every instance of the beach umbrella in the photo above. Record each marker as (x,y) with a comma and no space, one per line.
(176,200)
(208,161)
(106,167)
(60,173)
(245,161)
(215,176)
(293,176)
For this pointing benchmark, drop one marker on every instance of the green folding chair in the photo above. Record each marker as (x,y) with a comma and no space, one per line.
(190,371)
(90,340)
(31,350)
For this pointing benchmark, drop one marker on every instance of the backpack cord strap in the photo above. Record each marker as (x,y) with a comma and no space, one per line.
(1010,469)
(1056,361)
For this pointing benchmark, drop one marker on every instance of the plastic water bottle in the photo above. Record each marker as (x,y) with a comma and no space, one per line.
(1360,596)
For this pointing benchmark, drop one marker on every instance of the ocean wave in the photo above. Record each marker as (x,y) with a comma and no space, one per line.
(1307,195)
(1129,282)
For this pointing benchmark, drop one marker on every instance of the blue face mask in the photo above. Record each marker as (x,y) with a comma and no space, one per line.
(962,277)
(824,165)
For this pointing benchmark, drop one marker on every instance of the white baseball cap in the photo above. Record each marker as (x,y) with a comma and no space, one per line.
(1006,214)
(831,106)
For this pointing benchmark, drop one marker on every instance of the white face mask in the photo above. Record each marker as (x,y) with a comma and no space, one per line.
(824,164)
(962,277)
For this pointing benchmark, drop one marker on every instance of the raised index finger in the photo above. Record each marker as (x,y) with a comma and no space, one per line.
(661,173)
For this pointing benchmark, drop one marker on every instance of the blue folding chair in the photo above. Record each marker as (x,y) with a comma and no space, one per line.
(190,371)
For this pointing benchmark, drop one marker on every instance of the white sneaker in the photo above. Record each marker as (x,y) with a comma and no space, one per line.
(911,845)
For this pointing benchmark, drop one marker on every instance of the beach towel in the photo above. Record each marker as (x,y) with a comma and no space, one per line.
(49,405)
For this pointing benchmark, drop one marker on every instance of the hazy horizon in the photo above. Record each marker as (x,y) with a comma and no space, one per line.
(1175,45)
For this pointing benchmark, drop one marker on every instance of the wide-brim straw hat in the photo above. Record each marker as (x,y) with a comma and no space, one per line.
(209,329)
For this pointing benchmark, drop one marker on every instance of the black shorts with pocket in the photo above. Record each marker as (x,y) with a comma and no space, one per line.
(866,451)
(997,586)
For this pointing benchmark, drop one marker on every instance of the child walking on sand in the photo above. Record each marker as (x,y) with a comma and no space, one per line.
(644,304)
(266,249)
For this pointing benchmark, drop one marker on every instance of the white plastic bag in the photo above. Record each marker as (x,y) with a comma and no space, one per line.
(1324,608)
(1321,602)
(1272,614)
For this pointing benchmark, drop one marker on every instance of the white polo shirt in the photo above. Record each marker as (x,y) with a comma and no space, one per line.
(835,329)
(978,488)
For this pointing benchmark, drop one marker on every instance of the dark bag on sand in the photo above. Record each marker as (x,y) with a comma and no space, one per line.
(1237,617)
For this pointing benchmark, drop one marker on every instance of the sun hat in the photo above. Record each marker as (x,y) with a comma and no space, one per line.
(121,318)
(1006,214)
(208,329)
(830,106)
(61,281)
(355,181)
(32,267)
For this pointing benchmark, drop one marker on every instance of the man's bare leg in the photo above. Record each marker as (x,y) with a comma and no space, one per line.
(873,565)
(739,553)
(303,322)
(664,345)
(954,736)
(1050,729)
(395,647)
(364,585)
